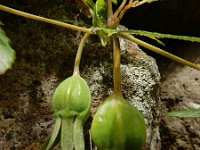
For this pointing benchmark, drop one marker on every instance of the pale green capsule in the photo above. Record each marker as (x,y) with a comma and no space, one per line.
(117,125)
(71,104)
(72,98)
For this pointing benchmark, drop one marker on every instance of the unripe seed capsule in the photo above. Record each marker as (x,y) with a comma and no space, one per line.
(117,125)
(72,98)
(71,102)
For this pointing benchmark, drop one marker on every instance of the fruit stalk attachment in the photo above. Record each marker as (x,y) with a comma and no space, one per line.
(116,68)
(79,54)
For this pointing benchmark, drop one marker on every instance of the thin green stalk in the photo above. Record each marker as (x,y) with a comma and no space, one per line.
(116,67)
(109,11)
(159,51)
(79,54)
(124,10)
(79,143)
(43,19)
(118,11)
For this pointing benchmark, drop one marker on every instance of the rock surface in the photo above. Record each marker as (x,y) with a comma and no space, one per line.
(180,88)
(45,56)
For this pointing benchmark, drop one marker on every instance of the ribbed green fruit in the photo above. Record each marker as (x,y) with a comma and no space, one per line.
(72,98)
(71,104)
(117,125)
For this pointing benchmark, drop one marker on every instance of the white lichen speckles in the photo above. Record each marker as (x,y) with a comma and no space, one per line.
(95,80)
(50,82)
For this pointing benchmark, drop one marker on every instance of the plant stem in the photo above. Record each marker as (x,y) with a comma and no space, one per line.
(116,67)
(79,54)
(109,12)
(118,11)
(42,19)
(159,51)
(124,10)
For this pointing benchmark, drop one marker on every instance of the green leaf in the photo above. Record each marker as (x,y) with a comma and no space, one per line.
(110,32)
(190,113)
(67,134)
(152,35)
(55,134)
(157,40)
(160,35)
(100,14)
(7,54)
(78,136)
(100,20)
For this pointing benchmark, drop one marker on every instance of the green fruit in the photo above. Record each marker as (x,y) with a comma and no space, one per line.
(117,125)
(72,98)
(71,104)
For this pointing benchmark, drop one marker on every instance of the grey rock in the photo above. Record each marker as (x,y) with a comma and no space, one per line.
(180,90)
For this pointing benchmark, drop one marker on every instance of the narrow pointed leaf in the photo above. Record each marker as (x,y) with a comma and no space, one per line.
(7,54)
(55,133)
(79,142)
(67,134)
(190,113)
(110,32)
(160,35)
(157,40)
(47,142)
(159,51)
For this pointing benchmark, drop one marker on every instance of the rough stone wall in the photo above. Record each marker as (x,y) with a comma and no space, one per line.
(45,56)
(180,89)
